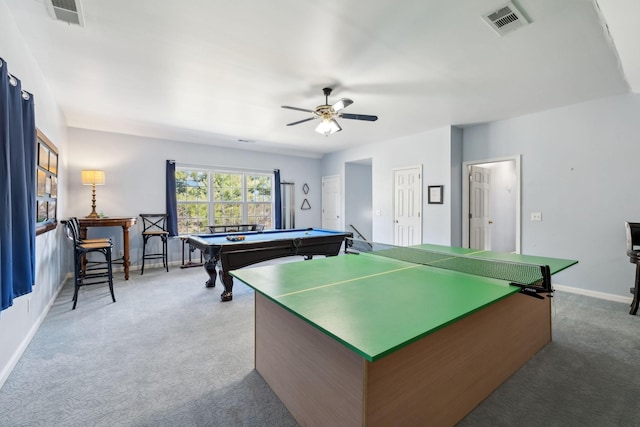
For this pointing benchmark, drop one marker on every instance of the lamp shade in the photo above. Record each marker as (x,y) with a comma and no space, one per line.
(328,127)
(92,177)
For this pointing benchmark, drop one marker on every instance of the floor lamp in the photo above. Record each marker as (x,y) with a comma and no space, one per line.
(93,178)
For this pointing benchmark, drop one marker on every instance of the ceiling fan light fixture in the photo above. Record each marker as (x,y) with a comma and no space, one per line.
(328,113)
(328,127)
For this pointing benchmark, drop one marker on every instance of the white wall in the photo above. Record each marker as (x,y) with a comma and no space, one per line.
(579,168)
(431,149)
(135,178)
(19,322)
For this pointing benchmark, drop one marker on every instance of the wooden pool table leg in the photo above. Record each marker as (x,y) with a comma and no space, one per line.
(227,281)
(210,268)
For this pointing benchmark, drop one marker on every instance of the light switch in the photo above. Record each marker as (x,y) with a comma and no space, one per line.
(536,216)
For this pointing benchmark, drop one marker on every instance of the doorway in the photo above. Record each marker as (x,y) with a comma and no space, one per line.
(358,205)
(407,206)
(491,204)
(288,212)
(331,206)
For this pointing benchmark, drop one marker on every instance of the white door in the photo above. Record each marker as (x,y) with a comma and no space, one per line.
(407,220)
(331,203)
(479,197)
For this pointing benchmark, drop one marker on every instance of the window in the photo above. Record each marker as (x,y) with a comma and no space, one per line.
(214,197)
(47,184)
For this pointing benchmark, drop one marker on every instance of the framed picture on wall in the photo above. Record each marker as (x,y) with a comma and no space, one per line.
(42,211)
(42,179)
(435,194)
(46,184)
(43,156)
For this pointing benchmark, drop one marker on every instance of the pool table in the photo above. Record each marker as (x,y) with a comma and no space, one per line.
(237,250)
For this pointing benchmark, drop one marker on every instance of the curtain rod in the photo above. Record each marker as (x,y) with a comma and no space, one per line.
(218,167)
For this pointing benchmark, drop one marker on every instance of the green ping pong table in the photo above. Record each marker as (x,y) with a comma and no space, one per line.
(368,339)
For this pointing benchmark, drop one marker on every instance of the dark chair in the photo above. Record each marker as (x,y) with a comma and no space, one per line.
(154,225)
(93,273)
(76,227)
(633,252)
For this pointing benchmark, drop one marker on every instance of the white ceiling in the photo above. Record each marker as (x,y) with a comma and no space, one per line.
(216,71)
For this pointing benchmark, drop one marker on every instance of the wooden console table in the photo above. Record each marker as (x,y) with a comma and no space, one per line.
(124,222)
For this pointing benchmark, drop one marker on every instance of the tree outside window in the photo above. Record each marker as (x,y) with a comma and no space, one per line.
(236,198)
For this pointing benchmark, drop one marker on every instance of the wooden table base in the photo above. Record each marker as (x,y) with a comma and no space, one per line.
(436,380)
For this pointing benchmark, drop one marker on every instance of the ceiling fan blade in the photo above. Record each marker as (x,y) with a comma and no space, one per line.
(301,121)
(359,117)
(341,104)
(298,109)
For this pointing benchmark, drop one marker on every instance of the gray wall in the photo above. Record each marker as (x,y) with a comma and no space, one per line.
(579,170)
(455,192)
(433,150)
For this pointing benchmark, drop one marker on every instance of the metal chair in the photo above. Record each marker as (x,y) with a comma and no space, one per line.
(154,225)
(93,273)
(633,252)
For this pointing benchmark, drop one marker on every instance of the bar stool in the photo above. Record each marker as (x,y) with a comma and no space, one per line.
(73,221)
(154,225)
(93,273)
(633,252)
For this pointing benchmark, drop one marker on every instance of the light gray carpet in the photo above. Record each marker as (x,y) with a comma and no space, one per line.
(168,353)
(589,375)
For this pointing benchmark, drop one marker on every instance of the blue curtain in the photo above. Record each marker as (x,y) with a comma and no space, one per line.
(172,204)
(17,189)
(278,198)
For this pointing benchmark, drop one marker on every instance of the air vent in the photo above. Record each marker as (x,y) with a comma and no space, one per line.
(505,19)
(69,11)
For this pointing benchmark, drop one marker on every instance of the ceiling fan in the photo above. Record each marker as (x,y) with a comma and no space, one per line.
(328,114)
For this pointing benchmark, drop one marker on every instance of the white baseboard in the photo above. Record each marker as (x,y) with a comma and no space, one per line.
(137,267)
(594,294)
(13,361)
